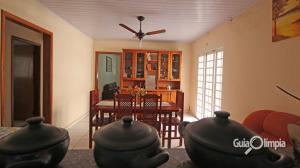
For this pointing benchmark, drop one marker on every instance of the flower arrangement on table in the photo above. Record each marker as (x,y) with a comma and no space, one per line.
(137,91)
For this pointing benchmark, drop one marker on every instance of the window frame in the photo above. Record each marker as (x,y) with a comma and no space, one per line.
(201,88)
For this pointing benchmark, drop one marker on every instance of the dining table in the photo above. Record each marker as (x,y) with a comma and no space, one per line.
(167,109)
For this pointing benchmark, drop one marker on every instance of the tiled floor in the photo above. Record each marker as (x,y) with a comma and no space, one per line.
(80,136)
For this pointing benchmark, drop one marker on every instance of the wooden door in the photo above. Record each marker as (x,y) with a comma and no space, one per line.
(25,80)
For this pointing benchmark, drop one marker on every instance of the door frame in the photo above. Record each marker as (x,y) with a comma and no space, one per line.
(96,64)
(47,63)
(13,38)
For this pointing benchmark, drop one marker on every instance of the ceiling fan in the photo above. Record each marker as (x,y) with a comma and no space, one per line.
(140,34)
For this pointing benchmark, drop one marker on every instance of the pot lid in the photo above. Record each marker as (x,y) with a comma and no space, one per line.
(33,137)
(125,134)
(224,135)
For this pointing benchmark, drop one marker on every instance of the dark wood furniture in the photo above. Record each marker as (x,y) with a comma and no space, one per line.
(164,66)
(166,110)
(96,119)
(124,105)
(150,110)
(175,120)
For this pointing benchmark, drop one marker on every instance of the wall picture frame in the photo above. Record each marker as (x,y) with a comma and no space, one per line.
(108,64)
(285,19)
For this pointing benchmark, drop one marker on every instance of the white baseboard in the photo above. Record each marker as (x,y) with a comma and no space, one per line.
(77,120)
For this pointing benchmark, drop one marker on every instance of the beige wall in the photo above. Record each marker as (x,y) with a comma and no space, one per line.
(118,45)
(72,60)
(253,65)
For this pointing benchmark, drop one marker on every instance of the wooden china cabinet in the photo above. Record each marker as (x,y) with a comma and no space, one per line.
(156,71)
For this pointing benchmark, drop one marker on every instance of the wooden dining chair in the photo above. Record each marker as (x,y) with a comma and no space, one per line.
(150,110)
(124,105)
(96,119)
(175,120)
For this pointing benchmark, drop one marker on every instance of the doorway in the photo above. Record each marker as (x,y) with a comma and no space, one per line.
(107,78)
(44,108)
(26,67)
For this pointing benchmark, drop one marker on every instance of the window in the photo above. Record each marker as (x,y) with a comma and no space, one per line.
(209,83)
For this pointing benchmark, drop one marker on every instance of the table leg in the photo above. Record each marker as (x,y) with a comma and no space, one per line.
(90,131)
(169,130)
(101,118)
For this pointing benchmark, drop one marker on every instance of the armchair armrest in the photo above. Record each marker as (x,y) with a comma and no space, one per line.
(255,120)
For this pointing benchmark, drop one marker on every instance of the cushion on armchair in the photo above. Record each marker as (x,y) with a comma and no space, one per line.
(271,124)
(276,124)
(255,120)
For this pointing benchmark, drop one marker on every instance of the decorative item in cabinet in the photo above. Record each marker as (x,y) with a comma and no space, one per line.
(176,62)
(128,65)
(164,66)
(140,65)
(152,63)
(131,83)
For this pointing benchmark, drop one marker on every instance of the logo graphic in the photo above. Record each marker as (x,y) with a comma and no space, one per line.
(256,143)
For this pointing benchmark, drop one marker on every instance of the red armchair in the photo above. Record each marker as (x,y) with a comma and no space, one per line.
(271,124)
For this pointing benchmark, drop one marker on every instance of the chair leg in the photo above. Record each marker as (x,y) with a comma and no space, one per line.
(163,135)
(90,134)
(180,141)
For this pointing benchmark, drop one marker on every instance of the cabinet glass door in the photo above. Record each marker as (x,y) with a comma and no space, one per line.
(175,66)
(128,65)
(140,65)
(164,64)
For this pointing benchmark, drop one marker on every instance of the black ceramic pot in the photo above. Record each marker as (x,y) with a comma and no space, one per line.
(130,144)
(209,142)
(37,145)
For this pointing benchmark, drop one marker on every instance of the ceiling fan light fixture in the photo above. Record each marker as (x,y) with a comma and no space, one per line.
(140,35)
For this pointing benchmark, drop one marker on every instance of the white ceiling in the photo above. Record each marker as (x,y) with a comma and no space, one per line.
(184,20)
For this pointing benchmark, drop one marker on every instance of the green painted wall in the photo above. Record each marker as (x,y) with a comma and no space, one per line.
(108,77)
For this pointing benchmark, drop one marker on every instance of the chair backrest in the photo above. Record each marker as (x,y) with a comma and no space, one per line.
(151,106)
(124,104)
(180,103)
(94,99)
(151,103)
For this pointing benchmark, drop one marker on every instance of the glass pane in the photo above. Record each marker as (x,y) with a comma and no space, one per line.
(140,62)
(152,64)
(200,84)
(218,94)
(128,65)
(219,71)
(219,79)
(175,66)
(201,65)
(220,63)
(220,55)
(210,57)
(201,71)
(201,59)
(164,64)
(218,87)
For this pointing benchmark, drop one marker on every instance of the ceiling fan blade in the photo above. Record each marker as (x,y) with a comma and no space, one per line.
(156,32)
(128,28)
